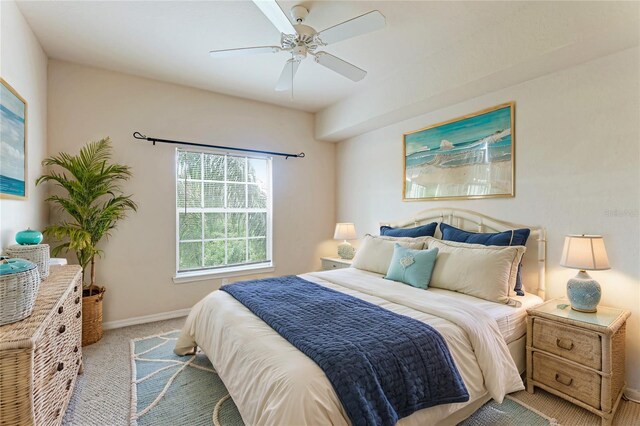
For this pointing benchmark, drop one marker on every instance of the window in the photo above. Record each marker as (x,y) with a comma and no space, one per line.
(223,212)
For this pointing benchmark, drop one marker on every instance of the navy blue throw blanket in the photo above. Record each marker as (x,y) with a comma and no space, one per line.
(382,365)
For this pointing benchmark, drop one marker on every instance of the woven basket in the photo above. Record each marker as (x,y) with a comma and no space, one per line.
(36,253)
(92,317)
(18,294)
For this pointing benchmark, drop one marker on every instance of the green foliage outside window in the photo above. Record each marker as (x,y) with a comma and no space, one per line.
(222,206)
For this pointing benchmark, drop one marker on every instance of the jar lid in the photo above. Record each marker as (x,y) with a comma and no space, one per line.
(14,266)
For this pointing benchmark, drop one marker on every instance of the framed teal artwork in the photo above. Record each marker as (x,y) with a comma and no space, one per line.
(13,143)
(463,158)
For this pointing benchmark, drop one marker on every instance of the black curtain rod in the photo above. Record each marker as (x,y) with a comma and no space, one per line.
(139,135)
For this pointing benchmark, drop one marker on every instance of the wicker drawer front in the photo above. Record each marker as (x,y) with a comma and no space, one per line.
(57,359)
(48,400)
(582,384)
(54,365)
(66,325)
(62,386)
(576,344)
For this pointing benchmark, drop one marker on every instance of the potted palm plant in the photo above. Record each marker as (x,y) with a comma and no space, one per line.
(92,203)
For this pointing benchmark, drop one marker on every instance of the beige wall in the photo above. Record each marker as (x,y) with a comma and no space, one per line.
(87,104)
(577,171)
(23,64)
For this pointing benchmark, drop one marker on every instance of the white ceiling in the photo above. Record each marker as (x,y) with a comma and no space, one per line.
(170,41)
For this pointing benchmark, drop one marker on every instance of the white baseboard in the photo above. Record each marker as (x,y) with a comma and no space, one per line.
(632,394)
(145,319)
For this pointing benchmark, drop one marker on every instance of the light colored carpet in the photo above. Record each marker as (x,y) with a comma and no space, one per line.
(103,393)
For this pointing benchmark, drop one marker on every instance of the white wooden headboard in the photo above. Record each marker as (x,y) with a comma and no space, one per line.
(533,262)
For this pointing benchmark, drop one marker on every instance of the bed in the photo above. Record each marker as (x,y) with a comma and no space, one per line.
(272,382)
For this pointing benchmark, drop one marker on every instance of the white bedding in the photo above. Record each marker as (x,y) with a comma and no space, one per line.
(512,320)
(273,383)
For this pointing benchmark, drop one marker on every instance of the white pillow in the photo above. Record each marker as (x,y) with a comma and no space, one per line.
(375,253)
(487,272)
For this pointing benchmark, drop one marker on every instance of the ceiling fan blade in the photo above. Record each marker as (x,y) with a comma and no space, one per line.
(341,67)
(285,82)
(244,51)
(272,11)
(362,24)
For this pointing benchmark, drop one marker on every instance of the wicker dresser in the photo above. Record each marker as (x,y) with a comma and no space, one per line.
(41,355)
(578,356)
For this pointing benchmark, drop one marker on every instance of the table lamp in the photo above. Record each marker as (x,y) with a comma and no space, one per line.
(345,231)
(584,252)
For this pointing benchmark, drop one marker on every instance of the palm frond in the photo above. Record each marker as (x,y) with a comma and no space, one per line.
(92,198)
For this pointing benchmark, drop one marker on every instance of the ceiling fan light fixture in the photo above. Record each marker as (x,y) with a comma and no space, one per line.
(299,52)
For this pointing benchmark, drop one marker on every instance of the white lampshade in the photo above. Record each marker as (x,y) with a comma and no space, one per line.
(345,231)
(584,252)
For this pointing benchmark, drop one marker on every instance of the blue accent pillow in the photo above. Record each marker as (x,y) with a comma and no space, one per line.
(428,230)
(517,237)
(413,267)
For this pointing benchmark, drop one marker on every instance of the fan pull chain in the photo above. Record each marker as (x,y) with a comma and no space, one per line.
(292,76)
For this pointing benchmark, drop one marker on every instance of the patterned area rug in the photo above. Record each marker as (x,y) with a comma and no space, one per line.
(510,413)
(167,389)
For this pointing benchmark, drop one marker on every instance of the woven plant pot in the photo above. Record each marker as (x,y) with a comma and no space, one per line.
(92,316)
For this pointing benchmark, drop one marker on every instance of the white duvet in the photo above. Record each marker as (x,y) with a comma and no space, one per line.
(272,383)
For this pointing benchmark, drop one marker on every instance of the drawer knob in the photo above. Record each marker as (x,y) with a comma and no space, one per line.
(62,329)
(567,381)
(60,309)
(564,344)
(60,366)
(77,300)
(78,314)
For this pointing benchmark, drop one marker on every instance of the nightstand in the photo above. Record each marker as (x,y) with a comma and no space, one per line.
(329,263)
(578,356)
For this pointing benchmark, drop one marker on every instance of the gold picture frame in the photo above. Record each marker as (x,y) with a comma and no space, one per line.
(14,169)
(465,158)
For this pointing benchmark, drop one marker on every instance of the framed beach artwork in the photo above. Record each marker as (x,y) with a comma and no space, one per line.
(13,143)
(463,158)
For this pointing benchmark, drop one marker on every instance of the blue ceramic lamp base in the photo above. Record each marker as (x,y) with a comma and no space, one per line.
(583,292)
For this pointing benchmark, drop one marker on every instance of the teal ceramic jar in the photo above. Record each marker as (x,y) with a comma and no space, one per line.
(29,237)
(14,266)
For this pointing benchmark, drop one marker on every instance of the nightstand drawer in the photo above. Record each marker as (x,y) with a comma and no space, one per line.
(328,265)
(582,384)
(577,344)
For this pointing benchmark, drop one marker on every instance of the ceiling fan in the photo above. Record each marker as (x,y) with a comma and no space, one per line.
(301,40)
